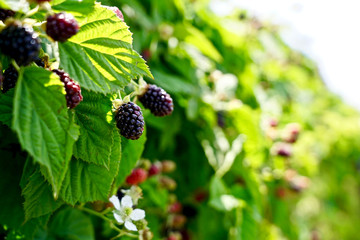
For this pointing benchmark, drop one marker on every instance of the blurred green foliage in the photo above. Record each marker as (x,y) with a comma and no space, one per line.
(229,76)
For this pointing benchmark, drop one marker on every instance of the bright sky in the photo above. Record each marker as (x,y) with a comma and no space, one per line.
(328,31)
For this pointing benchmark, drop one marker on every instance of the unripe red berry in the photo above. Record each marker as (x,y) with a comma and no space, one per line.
(280,192)
(138,175)
(176,207)
(291,132)
(281,149)
(155,169)
(177,221)
(116,11)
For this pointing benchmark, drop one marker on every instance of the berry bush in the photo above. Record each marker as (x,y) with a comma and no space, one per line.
(224,132)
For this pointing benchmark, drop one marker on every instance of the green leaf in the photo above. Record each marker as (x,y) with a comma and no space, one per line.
(131,153)
(84,6)
(86,182)
(94,116)
(6,107)
(42,122)
(100,56)
(12,212)
(71,223)
(39,199)
(29,229)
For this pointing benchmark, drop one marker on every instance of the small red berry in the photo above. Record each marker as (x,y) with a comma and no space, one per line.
(138,175)
(176,207)
(116,11)
(176,221)
(281,149)
(291,132)
(73,91)
(280,192)
(155,169)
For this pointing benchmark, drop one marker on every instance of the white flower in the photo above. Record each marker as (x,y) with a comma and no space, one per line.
(124,213)
(134,192)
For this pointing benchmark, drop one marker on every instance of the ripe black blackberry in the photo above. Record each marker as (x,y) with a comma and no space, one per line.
(130,121)
(73,91)
(157,100)
(61,26)
(10,78)
(20,42)
(6,13)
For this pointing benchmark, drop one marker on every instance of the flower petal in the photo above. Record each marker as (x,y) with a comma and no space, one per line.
(126,202)
(129,225)
(137,214)
(115,201)
(118,218)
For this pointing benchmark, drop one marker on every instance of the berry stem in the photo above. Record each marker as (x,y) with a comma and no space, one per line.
(90,211)
(32,12)
(112,225)
(119,93)
(135,83)
(16,66)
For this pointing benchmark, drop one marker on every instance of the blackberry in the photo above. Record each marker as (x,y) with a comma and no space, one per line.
(6,13)
(61,26)
(20,43)
(157,100)
(73,91)
(9,79)
(130,121)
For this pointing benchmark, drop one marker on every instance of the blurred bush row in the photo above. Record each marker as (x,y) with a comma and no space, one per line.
(263,149)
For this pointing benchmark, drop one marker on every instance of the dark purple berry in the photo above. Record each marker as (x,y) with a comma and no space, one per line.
(9,79)
(61,26)
(6,13)
(157,100)
(73,91)
(130,121)
(20,43)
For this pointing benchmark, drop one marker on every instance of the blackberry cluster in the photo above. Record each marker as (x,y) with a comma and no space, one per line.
(130,121)
(61,26)
(73,91)
(9,79)
(6,13)
(20,43)
(157,100)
